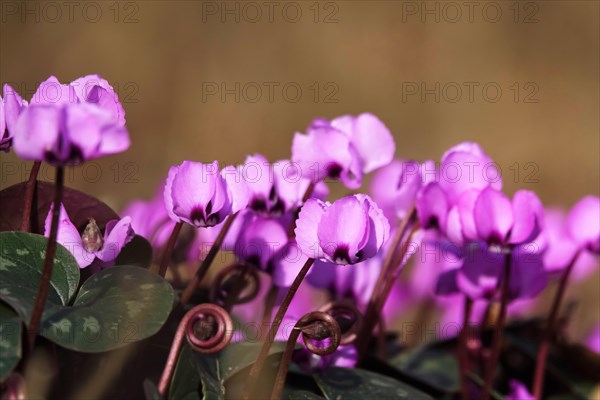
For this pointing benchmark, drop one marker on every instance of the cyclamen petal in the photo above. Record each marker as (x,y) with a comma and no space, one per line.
(260,242)
(69,237)
(493,215)
(64,128)
(528,217)
(115,238)
(307,226)
(202,196)
(518,391)
(349,231)
(344,230)
(432,206)
(11,105)
(466,166)
(372,140)
(96,90)
(583,223)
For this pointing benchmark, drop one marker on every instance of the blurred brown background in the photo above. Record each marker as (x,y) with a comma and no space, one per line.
(188,72)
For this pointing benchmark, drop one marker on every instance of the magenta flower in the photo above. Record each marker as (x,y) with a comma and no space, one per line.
(593,339)
(466,166)
(276,188)
(261,242)
(349,231)
(91,244)
(583,223)
(11,105)
(345,148)
(150,220)
(482,270)
(395,187)
(560,248)
(69,124)
(201,195)
(486,215)
(518,391)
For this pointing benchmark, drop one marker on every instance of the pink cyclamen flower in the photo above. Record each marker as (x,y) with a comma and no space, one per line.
(395,186)
(349,231)
(583,223)
(560,248)
(344,148)
(593,339)
(486,215)
(91,244)
(11,105)
(519,391)
(275,188)
(67,124)
(466,166)
(201,195)
(482,271)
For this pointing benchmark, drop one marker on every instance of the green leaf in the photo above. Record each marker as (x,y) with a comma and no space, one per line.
(185,383)
(304,395)
(354,383)
(21,264)
(114,307)
(435,367)
(151,391)
(10,340)
(237,356)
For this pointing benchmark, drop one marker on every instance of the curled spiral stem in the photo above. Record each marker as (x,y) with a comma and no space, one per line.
(208,329)
(231,282)
(317,325)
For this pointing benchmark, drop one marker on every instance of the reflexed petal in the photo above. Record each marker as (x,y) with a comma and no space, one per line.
(493,215)
(52,92)
(69,237)
(237,188)
(321,153)
(344,230)
(383,188)
(192,189)
(528,214)
(371,139)
(528,276)
(168,192)
(322,274)
(432,206)
(115,139)
(583,222)
(466,209)
(260,242)
(115,239)
(258,174)
(289,266)
(37,132)
(95,90)
(379,227)
(13,105)
(466,166)
(84,126)
(307,226)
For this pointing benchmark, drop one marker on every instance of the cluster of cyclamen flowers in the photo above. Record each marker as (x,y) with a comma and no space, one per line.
(279,216)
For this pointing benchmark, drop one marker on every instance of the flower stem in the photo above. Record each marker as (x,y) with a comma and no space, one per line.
(260,361)
(463,355)
(212,253)
(498,330)
(540,365)
(42,295)
(166,257)
(29,191)
(270,300)
(373,309)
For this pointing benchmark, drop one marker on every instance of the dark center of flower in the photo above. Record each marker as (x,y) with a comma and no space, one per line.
(432,223)
(197,217)
(341,255)
(334,170)
(258,204)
